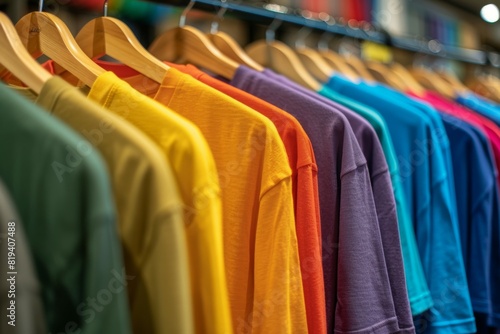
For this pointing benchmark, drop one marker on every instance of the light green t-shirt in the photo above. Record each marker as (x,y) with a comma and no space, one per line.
(418,291)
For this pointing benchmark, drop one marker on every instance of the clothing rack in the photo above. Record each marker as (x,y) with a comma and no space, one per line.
(266,13)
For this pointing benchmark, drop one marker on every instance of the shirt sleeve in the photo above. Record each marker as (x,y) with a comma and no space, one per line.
(171,310)
(205,247)
(389,230)
(494,318)
(309,242)
(364,298)
(278,291)
(447,280)
(104,305)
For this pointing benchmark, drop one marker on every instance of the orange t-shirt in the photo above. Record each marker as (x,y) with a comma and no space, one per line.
(305,193)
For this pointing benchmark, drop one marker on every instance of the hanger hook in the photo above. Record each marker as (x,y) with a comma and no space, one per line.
(301,37)
(324,41)
(327,35)
(271,30)
(214,27)
(40,5)
(105,8)
(182,19)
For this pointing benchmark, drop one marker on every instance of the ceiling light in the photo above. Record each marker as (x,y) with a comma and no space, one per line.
(490,13)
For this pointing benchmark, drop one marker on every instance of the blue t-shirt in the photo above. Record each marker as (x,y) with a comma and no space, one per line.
(492,244)
(475,185)
(438,133)
(481,106)
(426,183)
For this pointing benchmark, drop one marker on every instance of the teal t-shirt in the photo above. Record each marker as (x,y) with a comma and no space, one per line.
(62,191)
(418,292)
(427,189)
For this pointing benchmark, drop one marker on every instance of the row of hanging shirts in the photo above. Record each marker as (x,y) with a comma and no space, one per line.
(42,33)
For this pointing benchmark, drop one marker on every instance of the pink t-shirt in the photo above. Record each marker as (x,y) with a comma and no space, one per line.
(491,130)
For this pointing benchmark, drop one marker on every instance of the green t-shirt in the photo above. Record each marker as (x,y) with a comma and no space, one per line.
(62,191)
(418,291)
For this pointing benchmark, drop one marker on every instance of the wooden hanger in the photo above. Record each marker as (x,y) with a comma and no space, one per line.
(314,63)
(311,59)
(494,82)
(452,80)
(333,59)
(407,79)
(192,46)
(432,81)
(483,86)
(44,33)
(15,58)
(281,58)
(229,47)
(338,64)
(359,68)
(384,74)
(109,36)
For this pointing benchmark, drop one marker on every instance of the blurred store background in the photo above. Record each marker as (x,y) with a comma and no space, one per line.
(470,24)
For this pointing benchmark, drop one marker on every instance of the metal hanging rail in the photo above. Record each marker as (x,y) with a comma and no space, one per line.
(266,13)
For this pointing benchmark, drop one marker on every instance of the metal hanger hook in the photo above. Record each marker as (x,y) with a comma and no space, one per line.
(301,36)
(324,41)
(40,5)
(271,30)
(325,38)
(105,8)
(214,26)
(182,19)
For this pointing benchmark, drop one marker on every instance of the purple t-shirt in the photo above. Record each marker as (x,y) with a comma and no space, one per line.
(382,193)
(358,291)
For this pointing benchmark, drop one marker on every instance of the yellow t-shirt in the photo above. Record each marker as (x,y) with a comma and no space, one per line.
(188,153)
(260,243)
(149,209)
